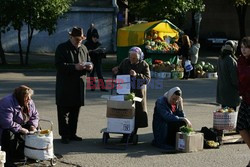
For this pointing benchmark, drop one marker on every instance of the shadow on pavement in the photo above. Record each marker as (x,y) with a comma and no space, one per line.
(95,145)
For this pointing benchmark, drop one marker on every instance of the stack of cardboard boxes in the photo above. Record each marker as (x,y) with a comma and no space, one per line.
(120,116)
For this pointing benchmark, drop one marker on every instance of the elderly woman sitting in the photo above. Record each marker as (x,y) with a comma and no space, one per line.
(168,118)
(18,116)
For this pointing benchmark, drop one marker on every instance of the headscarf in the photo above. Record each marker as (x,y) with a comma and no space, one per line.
(230,45)
(171,91)
(138,51)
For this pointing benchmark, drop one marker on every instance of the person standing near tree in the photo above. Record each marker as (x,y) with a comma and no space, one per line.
(72,63)
(92,30)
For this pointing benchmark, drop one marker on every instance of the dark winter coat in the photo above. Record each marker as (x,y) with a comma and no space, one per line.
(163,115)
(92,46)
(70,83)
(244,78)
(138,86)
(227,83)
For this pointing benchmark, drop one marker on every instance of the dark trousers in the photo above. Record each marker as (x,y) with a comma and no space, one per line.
(98,69)
(173,127)
(67,120)
(192,75)
(13,145)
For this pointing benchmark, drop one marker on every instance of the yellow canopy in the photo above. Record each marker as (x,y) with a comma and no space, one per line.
(135,34)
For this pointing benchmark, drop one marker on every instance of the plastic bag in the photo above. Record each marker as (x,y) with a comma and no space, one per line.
(39,147)
(188,66)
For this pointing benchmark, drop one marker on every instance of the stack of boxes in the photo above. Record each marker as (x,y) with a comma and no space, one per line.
(120,116)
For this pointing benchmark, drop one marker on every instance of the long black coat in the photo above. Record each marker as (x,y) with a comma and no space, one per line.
(139,87)
(70,83)
(227,83)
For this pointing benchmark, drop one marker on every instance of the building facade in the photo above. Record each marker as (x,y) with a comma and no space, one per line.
(103,13)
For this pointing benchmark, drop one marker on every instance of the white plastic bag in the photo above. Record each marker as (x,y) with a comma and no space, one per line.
(39,147)
(188,66)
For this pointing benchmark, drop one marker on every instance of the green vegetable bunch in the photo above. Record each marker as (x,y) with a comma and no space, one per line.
(130,96)
(185,129)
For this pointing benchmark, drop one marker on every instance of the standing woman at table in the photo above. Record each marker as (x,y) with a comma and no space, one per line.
(139,71)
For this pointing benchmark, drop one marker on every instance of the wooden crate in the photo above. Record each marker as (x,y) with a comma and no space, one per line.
(230,137)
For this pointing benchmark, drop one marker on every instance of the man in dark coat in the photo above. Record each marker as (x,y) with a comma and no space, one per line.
(72,62)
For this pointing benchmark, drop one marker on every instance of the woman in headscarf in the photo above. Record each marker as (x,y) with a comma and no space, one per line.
(139,71)
(18,116)
(168,118)
(227,84)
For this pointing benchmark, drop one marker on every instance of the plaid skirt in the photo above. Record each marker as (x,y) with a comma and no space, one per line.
(243,120)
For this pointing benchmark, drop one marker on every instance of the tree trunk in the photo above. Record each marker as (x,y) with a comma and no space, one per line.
(30,34)
(20,46)
(241,12)
(192,31)
(2,55)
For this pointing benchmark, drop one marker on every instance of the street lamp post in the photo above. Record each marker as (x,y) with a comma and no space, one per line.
(197,18)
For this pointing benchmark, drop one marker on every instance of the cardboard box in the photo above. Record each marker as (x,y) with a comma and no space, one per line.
(189,143)
(120,113)
(120,109)
(118,125)
(120,104)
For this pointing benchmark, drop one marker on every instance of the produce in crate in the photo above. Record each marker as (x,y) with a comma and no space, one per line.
(154,43)
(226,109)
(225,119)
(46,131)
(186,130)
(129,97)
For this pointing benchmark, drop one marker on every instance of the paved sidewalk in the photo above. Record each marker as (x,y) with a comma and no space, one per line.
(199,103)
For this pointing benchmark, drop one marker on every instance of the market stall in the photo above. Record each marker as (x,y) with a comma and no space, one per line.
(157,40)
